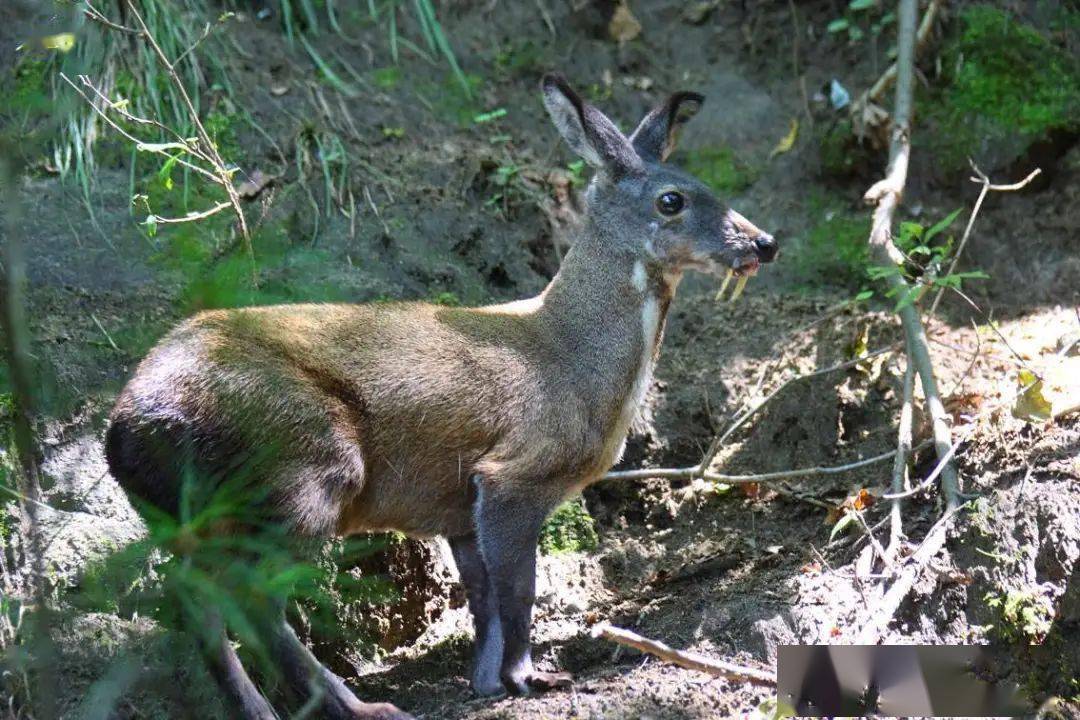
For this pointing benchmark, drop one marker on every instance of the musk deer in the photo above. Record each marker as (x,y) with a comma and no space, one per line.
(469,423)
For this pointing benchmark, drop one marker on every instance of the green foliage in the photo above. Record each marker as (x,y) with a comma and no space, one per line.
(860,16)
(925,259)
(721,169)
(1022,616)
(569,529)
(577,173)
(448,299)
(1003,78)
(520,58)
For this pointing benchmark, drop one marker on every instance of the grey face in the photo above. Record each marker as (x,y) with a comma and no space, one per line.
(656,209)
(685,226)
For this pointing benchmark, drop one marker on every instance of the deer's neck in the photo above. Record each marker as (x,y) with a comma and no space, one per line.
(607,307)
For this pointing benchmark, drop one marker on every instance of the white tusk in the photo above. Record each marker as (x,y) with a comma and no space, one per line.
(739,287)
(723,286)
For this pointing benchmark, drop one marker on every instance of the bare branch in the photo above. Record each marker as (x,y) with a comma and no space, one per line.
(987,186)
(889,76)
(684,658)
(223,172)
(886,194)
(139,144)
(690,473)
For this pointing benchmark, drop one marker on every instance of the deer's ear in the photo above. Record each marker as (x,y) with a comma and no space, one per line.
(587,131)
(657,134)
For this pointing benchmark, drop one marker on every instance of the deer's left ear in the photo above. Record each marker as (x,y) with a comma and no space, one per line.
(655,137)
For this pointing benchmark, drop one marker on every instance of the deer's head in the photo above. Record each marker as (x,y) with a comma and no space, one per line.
(658,212)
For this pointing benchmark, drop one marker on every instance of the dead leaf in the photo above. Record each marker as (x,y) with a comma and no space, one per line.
(811,568)
(788,141)
(1032,404)
(863,500)
(698,12)
(257,182)
(623,27)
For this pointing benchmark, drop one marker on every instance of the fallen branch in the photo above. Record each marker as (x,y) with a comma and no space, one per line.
(900,462)
(886,194)
(873,629)
(694,472)
(684,658)
(987,186)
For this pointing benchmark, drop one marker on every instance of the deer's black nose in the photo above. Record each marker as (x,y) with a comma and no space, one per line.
(765,247)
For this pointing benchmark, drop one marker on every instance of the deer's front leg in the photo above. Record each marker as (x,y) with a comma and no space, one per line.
(508,527)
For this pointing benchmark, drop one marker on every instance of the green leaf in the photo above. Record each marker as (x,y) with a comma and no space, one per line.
(838,25)
(855,33)
(845,520)
(489,116)
(941,225)
(864,295)
(861,4)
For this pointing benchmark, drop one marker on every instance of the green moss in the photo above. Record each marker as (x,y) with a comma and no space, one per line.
(834,249)
(386,78)
(569,529)
(721,169)
(31,86)
(1003,79)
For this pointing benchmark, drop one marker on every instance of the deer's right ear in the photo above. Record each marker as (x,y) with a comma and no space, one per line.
(657,134)
(586,130)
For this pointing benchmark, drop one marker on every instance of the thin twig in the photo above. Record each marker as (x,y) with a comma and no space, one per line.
(192,216)
(718,442)
(886,194)
(685,658)
(94,14)
(158,148)
(223,172)
(987,186)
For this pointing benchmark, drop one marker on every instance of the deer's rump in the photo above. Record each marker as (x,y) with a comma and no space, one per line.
(258,441)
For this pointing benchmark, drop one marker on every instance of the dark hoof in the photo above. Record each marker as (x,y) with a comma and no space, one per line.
(538,682)
(545,681)
(381,711)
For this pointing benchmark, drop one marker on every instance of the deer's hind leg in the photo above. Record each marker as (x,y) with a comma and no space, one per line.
(483,604)
(320,687)
(228,671)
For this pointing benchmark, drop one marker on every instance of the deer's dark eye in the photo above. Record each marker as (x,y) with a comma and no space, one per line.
(670,203)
